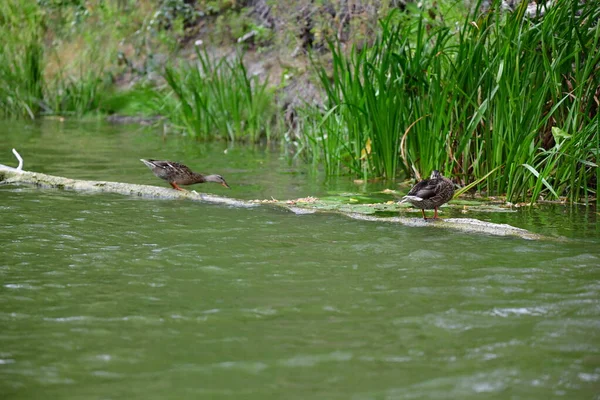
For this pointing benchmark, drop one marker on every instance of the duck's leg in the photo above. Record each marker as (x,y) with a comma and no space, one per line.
(174,185)
(423,212)
(435,214)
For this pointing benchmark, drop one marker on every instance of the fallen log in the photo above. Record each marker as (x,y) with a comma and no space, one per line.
(309,205)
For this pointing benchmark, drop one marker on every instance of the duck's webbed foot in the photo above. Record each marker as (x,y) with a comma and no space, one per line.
(174,185)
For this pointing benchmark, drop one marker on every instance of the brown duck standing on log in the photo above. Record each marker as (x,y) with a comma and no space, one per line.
(430,193)
(178,174)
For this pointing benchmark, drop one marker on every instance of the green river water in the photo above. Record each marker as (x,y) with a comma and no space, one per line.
(105,296)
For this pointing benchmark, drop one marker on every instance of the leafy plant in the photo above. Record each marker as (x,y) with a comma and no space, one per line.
(477,101)
(218,99)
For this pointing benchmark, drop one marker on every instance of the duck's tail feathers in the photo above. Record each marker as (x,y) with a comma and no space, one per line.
(406,199)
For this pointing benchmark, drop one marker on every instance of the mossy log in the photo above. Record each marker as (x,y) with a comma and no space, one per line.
(14,176)
(309,205)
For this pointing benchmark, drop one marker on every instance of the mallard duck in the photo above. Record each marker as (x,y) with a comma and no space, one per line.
(430,193)
(178,174)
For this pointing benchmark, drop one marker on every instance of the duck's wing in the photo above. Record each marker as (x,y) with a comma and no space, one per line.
(170,166)
(425,189)
(445,189)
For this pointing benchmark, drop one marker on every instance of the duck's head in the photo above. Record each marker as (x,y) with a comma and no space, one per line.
(436,175)
(217,179)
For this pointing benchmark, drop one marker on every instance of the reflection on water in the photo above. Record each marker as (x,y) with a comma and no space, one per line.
(106,296)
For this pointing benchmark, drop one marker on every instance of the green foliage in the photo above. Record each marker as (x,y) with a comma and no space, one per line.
(170,11)
(77,95)
(218,99)
(469,101)
(141,99)
(232,24)
(21,59)
(27,88)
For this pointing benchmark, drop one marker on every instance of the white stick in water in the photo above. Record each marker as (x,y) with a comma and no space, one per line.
(16,153)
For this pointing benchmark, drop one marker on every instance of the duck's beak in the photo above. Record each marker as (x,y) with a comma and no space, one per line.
(225,184)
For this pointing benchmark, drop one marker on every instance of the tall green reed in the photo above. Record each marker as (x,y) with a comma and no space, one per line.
(78,89)
(29,85)
(475,101)
(25,92)
(218,99)
(21,60)
(371,97)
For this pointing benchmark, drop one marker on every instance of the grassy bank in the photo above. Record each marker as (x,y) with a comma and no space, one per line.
(51,62)
(70,58)
(501,95)
(219,99)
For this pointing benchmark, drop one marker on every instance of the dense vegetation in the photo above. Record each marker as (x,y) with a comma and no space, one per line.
(219,99)
(501,97)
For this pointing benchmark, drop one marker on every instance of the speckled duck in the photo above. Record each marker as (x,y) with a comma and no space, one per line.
(178,174)
(430,193)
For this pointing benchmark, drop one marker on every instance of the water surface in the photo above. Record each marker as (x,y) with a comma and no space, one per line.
(108,296)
